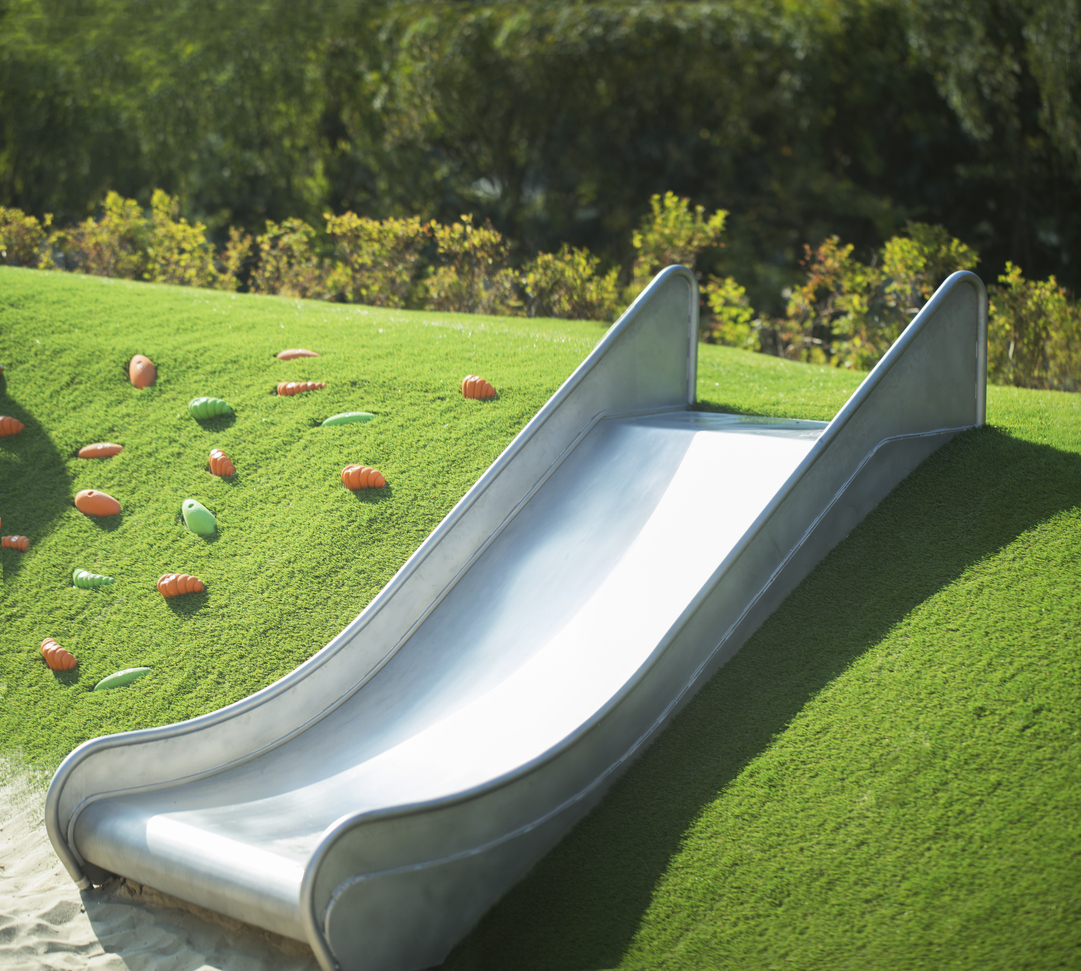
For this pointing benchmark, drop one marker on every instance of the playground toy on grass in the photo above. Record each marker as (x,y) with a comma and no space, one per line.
(141,371)
(20,543)
(58,658)
(221,464)
(94,503)
(85,579)
(208,408)
(120,678)
(474,387)
(297,387)
(348,416)
(198,518)
(10,426)
(100,450)
(175,584)
(295,352)
(362,477)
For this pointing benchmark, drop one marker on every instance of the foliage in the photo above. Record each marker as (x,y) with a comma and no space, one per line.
(22,239)
(848,313)
(177,252)
(568,284)
(288,262)
(378,262)
(733,320)
(672,233)
(234,260)
(115,245)
(473,276)
(162,248)
(1034,334)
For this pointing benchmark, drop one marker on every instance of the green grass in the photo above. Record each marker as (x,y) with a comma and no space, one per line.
(887,776)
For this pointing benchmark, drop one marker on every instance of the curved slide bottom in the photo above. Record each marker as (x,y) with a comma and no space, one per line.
(379,799)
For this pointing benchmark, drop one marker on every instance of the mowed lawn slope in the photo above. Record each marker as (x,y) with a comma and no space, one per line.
(887,774)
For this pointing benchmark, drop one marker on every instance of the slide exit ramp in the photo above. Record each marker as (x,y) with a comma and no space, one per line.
(376,801)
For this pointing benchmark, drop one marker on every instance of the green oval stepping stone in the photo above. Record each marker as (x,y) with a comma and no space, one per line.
(348,416)
(198,518)
(120,678)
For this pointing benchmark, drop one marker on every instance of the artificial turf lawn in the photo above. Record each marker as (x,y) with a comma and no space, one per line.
(887,774)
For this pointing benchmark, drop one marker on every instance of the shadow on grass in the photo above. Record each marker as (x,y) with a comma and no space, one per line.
(67,678)
(35,488)
(581,905)
(217,423)
(188,604)
(369,497)
(723,409)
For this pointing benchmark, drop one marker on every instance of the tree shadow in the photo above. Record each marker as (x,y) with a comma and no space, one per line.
(581,905)
(35,487)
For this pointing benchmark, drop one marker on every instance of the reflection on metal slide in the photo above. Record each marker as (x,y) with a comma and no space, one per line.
(380,798)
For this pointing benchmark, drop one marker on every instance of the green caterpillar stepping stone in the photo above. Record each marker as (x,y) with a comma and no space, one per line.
(86,579)
(120,678)
(348,416)
(198,518)
(208,407)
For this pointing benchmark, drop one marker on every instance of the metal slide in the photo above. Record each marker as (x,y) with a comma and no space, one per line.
(380,798)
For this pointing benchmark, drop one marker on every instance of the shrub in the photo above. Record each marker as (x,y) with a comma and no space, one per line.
(848,313)
(178,252)
(917,264)
(233,260)
(380,262)
(566,284)
(23,239)
(288,264)
(1034,334)
(672,233)
(115,245)
(474,277)
(732,319)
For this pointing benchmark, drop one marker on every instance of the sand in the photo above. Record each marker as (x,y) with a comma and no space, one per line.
(46,922)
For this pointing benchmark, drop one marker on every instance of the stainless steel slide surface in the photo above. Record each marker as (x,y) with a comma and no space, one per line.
(377,800)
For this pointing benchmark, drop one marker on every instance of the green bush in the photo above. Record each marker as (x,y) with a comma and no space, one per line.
(566,284)
(23,239)
(233,260)
(848,313)
(1034,334)
(288,263)
(115,245)
(732,319)
(672,233)
(474,276)
(378,263)
(177,251)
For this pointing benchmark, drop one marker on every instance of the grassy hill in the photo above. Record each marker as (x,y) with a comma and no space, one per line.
(888,774)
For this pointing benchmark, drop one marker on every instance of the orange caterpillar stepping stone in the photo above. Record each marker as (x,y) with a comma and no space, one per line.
(221,464)
(296,387)
(100,450)
(174,584)
(10,426)
(362,477)
(141,371)
(15,543)
(95,503)
(295,352)
(58,658)
(474,387)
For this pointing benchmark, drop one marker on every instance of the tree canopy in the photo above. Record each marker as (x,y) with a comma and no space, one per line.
(558,121)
